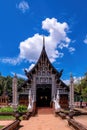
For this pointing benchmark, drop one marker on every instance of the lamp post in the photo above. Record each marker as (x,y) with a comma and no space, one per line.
(14,91)
(71,104)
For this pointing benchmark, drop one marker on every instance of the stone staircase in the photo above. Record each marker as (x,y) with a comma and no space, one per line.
(45,110)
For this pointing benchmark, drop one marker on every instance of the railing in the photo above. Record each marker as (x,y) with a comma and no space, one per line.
(76,125)
(26,116)
(63,92)
(12,126)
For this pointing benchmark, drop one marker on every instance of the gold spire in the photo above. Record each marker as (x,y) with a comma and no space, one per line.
(43,42)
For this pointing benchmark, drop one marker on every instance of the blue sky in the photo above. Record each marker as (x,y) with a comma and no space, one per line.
(64,24)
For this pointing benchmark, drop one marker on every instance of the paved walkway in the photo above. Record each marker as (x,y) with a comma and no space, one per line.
(44,122)
(5,123)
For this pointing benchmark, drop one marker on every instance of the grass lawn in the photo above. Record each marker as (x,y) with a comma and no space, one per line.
(7,118)
(1,126)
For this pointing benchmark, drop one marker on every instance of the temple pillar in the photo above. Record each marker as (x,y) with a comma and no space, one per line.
(71,94)
(53,87)
(14,92)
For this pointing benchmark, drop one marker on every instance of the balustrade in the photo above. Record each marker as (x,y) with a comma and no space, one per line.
(63,91)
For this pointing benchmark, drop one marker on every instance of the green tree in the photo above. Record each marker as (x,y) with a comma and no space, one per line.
(81,88)
(6,85)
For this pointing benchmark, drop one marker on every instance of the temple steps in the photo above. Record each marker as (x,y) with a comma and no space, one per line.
(45,110)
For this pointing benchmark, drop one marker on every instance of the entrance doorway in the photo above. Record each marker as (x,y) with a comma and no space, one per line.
(43,95)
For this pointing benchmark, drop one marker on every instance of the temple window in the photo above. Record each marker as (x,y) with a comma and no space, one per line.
(43,64)
(48,73)
(39,73)
(43,73)
(37,79)
(41,80)
(50,80)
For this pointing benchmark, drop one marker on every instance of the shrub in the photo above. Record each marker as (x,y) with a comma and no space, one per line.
(22,108)
(6,109)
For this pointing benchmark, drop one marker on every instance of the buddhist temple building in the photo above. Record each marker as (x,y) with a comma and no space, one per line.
(44,80)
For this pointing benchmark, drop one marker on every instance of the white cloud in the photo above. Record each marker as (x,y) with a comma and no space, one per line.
(85,40)
(71,50)
(67,81)
(56,30)
(77,80)
(62,45)
(12,61)
(30,48)
(23,6)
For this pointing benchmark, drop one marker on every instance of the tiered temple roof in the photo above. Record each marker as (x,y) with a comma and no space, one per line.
(42,62)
